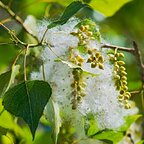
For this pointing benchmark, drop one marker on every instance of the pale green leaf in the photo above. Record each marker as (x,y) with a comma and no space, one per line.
(128,121)
(73,66)
(52,114)
(106,7)
(27,100)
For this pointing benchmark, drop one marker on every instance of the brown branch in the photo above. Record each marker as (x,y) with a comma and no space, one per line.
(17,18)
(16,40)
(138,56)
(118,47)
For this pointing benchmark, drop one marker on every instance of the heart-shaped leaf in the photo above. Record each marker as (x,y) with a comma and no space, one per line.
(27,100)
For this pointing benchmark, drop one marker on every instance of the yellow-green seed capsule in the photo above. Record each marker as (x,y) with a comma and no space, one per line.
(128,93)
(89,33)
(121,62)
(83,84)
(122,68)
(79,98)
(125,88)
(79,64)
(123,78)
(117,77)
(127,106)
(89,60)
(120,97)
(126,97)
(123,73)
(89,52)
(112,58)
(120,100)
(82,28)
(121,91)
(79,58)
(83,94)
(101,66)
(101,59)
(97,54)
(73,85)
(117,55)
(121,55)
(86,27)
(124,82)
(116,66)
(83,42)
(93,65)
(79,88)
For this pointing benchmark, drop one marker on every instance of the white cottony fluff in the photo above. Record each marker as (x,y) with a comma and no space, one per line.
(101,94)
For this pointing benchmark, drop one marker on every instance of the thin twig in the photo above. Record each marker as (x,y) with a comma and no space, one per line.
(16,39)
(118,47)
(44,35)
(138,56)
(6,20)
(43,71)
(17,18)
(25,58)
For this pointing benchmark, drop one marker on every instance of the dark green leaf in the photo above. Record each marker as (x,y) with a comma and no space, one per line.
(70,11)
(4,81)
(3,131)
(27,100)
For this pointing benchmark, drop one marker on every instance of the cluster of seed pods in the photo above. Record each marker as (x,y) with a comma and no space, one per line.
(120,77)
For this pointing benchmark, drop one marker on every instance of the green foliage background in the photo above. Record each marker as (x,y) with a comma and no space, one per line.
(120,23)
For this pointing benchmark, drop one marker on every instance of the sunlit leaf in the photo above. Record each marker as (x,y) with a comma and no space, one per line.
(128,121)
(52,114)
(3,131)
(106,7)
(111,135)
(27,100)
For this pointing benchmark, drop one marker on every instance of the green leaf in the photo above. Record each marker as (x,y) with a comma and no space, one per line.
(111,135)
(140,142)
(70,11)
(27,100)
(71,65)
(128,121)
(52,114)
(3,131)
(4,81)
(106,7)
(7,78)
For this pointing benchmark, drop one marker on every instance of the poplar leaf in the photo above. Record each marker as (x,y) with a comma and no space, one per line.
(27,100)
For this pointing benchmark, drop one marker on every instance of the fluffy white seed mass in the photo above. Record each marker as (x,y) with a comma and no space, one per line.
(101,94)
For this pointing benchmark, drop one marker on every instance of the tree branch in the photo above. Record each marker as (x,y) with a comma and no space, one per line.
(138,56)
(17,18)
(118,47)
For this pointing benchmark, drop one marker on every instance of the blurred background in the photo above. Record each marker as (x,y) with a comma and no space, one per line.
(122,28)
